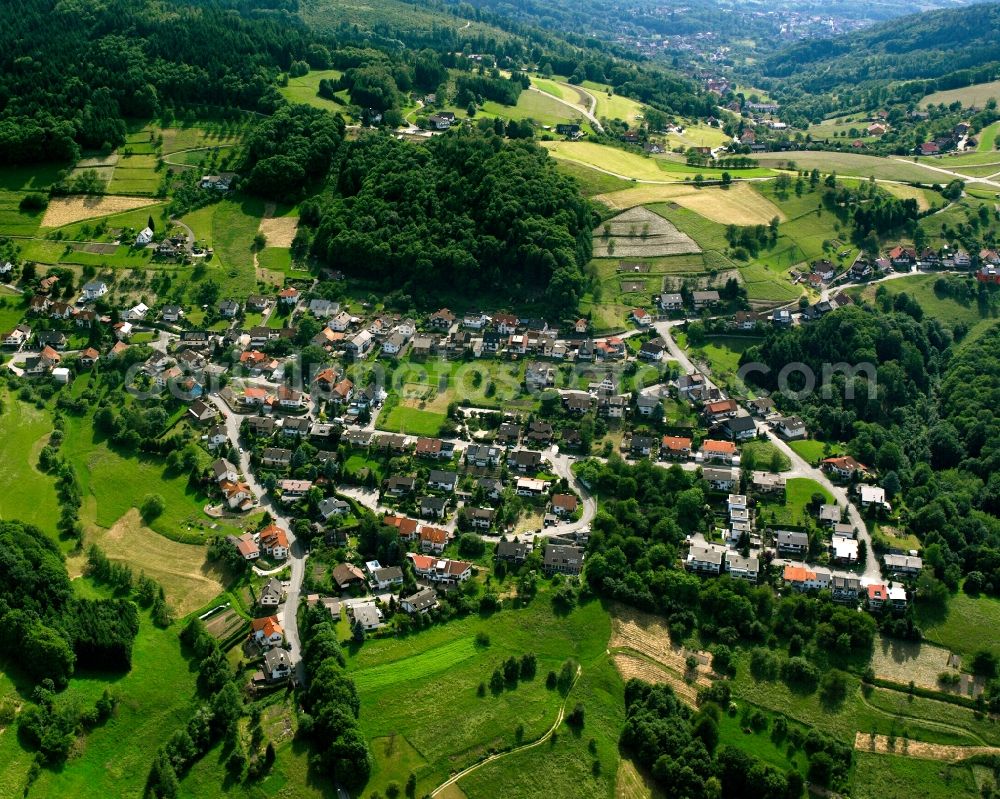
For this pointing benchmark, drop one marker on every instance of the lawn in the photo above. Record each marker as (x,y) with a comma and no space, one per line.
(798,495)
(813,451)
(762,452)
(229,227)
(11,312)
(412,421)
(28,494)
(475,724)
(966,625)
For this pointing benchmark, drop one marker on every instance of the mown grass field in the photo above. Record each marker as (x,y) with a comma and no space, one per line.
(945,309)
(538,106)
(612,159)
(591,181)
(14,221)
(412,421)
(613,106)
(723,355)
(895,777)
(413,679)
(564,767)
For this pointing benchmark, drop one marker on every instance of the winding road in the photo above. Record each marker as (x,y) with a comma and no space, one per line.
(799,467)
(296,556)
(589,114)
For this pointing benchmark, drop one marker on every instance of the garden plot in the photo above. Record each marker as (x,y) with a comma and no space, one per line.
(638,232)
(225,624)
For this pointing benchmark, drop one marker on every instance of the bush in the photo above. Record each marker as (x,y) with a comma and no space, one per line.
(153,506)
(33,202)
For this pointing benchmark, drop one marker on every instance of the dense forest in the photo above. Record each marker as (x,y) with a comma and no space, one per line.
(44,627)
(468,209)
(927,423)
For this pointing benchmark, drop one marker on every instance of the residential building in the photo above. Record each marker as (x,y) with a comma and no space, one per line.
(767,482)
(845,589)
(276,457)
(433,507)
(512,551)
(675,447)
(743,568)
(804,579)
(705,558)
(562,559)
(267,631)
(872,496)
(722,451)
(423,601)
(740,428)
(721,479)
(909,565)
(789,542)
(365,614)
(564,504)
(332,506)
(437,570)
(271,594)
(433,539)
(704,299)
(274,541)
(277,665)
(346,575)
(790,427)
(845,467)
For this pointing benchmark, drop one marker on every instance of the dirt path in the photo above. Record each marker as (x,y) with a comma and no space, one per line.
(555,725)
(939,725)
(919,749)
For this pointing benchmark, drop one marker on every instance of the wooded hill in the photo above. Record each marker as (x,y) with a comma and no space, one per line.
(922,53)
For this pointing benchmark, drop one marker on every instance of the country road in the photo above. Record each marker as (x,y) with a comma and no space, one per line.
(583,111)
(296,553)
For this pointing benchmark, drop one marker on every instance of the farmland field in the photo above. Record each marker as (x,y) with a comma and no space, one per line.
(536,105)
(65,210)
(852,164)
(739,204)
(974,95)
(639,232)
(28,494)
(591,181)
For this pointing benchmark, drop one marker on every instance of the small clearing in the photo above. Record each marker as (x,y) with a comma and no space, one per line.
(739,204)
(919,749)
(280,230)
(180,568)
(638,232)
(66,210)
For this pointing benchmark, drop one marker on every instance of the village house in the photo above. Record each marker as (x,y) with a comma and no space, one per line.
(767,482)
(483,455)
(347,575)
(653,351)
(383,577)
(441,480)
(845,589)
(222,470)
(721,479)
(293,490)
(790,427)
(789,542)
(718,411)
(276,457)
(440,571)
(740,428)
(365,614)
(909,565)
(245,546)
(332,506)
(705,558)
(228,308)
(675,447)
(433,507)
(564,504)
(271,594)
(845,467)
(691,387)
(722,451)
(94,290)
(844,549)
(432,539)
(562,559)
(803,579)
(704,299)
(641,446)
(398,485)
(525,460)
(274,542)
(277,665)
(267,631)
(442,319)
(479,518)
(743,568)
(512,551)
(872,496)
(529,487)
(423,601)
